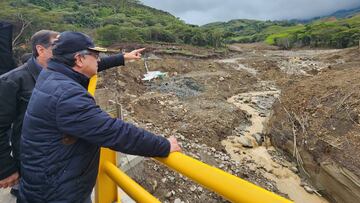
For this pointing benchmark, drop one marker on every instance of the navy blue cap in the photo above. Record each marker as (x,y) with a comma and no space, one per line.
(71,42)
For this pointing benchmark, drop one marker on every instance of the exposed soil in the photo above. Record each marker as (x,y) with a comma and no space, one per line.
(225,110)
(322,114)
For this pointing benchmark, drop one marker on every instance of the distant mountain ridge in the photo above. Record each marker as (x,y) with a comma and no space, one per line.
(346,13)
(343,13)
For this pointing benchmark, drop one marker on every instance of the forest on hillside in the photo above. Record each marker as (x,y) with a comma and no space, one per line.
(327,32)
(115,21)
(108,21)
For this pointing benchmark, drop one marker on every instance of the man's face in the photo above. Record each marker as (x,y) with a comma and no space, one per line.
(49,49)
(88,63)
(46,52)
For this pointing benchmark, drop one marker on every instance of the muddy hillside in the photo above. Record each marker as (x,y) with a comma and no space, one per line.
(287,121)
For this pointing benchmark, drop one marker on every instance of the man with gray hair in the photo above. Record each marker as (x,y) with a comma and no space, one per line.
(64,128)
(16,88)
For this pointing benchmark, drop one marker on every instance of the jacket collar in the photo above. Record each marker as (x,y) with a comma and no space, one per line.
(33,67)
(69,72)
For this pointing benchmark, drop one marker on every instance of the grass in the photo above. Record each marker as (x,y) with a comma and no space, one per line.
(281,32)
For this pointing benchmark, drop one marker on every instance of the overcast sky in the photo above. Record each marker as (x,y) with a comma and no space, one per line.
(200,12)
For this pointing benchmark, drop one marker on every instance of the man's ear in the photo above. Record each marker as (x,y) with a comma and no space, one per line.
(40,49)
(78,61)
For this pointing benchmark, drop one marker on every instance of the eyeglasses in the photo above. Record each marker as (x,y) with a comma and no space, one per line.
(94,55)
(86,52)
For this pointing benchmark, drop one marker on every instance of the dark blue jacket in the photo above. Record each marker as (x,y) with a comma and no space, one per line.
(15,90)
(62,133)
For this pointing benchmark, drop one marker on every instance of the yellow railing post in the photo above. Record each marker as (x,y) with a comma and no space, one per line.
(132,188)
(105,189)
(92,85)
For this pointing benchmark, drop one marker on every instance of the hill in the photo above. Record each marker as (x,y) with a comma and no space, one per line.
(108,21)
(113,21)
(325,32)
(245,31)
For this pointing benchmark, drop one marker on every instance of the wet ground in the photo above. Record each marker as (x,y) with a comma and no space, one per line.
(219,110)
(251,143)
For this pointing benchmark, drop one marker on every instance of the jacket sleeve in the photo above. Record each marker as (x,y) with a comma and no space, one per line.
(8,93)
(111,61)
(78,115)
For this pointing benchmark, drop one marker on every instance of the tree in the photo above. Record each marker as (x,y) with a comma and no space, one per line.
(24,24)
(198,39)
(215,38)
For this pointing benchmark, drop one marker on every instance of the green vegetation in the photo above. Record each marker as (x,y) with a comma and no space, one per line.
(108,21)
(247,31)
(115,21)
(337,33)
(329,32)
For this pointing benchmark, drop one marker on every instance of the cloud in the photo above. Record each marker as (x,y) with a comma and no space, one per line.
(205,11)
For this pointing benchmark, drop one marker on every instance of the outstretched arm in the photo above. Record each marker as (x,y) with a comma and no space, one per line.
(118,59)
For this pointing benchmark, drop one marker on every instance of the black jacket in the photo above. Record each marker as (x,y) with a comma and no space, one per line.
(16,87)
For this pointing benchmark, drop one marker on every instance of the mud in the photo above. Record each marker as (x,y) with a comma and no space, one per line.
(229,112)
(258,106)
(320,124)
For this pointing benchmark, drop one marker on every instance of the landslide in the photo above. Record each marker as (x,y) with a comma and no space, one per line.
(190,104)
(317,92)
(316,121)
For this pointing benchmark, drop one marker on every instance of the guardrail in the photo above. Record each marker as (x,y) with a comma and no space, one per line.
(229,186)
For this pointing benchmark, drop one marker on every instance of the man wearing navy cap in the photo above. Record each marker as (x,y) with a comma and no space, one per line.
(15,90)
(64,129)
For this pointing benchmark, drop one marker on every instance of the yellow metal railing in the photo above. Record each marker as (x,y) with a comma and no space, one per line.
(133,189)
(229,186)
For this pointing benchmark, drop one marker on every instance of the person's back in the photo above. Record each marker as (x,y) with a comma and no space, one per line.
(55,151)
(15,91)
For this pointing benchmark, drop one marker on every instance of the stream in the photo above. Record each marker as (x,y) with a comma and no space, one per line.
(250,143)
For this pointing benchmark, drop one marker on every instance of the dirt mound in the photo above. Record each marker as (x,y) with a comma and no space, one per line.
(172,49)
(320,115)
